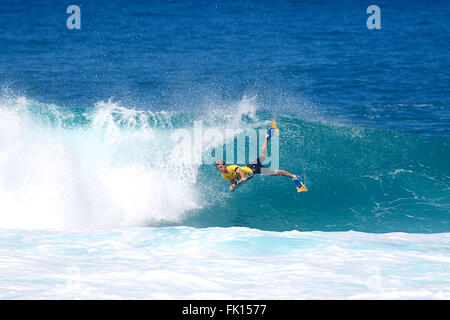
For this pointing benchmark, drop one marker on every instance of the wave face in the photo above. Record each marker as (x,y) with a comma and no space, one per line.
(114,166)
(358,179)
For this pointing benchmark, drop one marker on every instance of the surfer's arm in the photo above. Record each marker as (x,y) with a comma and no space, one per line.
(233,184)
(242,174)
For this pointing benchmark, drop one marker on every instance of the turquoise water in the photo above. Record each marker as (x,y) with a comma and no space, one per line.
(358,179)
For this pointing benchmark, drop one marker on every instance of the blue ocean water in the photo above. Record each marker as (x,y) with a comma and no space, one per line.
(88,119)
(291,54)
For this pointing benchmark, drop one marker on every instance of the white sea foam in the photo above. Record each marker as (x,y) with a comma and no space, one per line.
(117,167)
(222,263)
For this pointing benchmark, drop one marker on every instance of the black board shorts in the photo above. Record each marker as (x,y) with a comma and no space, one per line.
(257,167)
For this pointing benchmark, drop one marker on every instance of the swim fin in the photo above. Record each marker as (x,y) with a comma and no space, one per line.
(272,129)
(299,184)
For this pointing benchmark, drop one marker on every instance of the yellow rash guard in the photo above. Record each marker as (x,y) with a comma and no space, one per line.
(232,174)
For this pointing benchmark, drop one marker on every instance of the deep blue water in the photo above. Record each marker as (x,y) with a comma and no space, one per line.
(364,114)
(167,54)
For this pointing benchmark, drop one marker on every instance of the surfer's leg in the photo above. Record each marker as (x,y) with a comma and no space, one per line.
(263,155)
(280,172)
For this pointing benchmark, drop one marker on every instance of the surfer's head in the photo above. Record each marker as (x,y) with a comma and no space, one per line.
(221,165)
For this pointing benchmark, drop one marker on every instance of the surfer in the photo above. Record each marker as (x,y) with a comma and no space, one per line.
(234,173)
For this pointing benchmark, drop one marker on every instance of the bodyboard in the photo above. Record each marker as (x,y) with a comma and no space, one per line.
(249,176)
